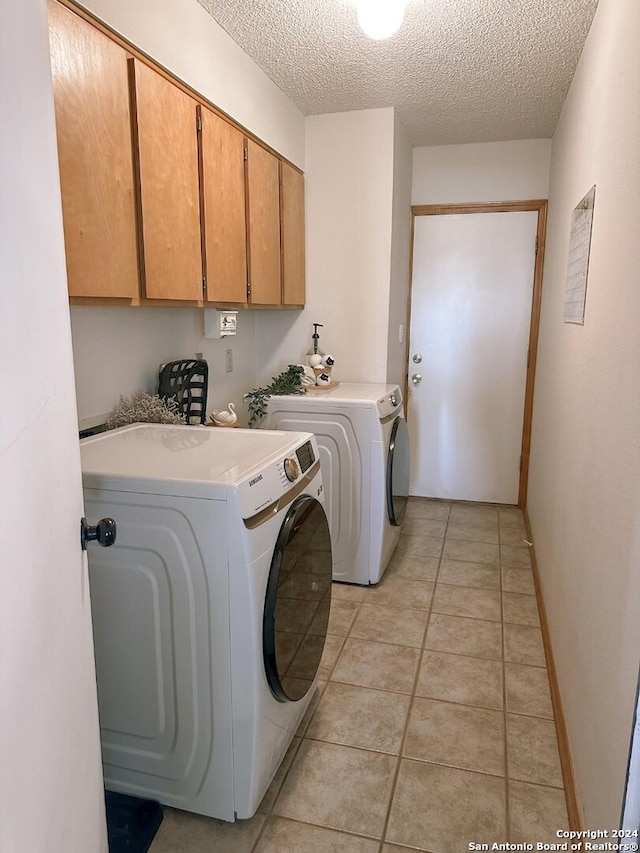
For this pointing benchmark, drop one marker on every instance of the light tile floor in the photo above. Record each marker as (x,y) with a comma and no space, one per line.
(433,727)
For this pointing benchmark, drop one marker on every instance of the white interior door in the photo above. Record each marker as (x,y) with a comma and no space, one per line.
(51,793)
(472,290)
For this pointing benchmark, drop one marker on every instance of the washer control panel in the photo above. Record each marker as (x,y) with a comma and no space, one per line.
(306,456)
(291,469)
(264,487)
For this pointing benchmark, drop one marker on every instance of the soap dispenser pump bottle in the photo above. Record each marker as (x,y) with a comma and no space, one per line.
(315,354)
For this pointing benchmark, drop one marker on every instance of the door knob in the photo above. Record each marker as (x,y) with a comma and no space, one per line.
(417,358)
(104,532)
(416,378)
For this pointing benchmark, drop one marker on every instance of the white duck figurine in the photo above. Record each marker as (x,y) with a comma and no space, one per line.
(224,417)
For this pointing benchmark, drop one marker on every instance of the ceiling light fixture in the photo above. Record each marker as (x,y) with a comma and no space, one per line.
(380,19)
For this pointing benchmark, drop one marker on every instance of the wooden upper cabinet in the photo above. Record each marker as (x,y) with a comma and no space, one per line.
(95,153)
(151,206)
(169,201)
(292,229)
(263,200)
(223,204)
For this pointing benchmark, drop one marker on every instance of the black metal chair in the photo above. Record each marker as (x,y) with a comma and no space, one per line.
(187,383)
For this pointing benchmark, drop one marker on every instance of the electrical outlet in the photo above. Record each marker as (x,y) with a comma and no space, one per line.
(199,356)
(228,360)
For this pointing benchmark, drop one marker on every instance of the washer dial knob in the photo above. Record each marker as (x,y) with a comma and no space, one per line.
(393,400)
(291,469)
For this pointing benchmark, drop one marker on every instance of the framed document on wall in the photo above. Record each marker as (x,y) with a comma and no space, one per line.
(575,293)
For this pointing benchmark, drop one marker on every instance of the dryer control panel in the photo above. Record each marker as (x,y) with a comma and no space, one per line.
(390,404)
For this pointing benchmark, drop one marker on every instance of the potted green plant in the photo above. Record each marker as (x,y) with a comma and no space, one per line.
(287,382)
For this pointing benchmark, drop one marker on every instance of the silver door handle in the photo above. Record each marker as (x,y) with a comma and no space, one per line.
(416,378)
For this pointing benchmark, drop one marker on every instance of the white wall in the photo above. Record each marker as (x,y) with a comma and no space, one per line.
(584,487)
(51,795)
(349,191)
(118,350)
(400,252)
(483,172)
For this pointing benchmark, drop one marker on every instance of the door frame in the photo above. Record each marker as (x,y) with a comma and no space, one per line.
(539,205)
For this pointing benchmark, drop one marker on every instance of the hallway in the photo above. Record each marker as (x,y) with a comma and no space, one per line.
(434,725)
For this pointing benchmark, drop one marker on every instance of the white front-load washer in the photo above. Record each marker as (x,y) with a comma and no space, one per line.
(210,611)
(364,448)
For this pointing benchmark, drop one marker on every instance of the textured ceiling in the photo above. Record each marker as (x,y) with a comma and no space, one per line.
(456,71)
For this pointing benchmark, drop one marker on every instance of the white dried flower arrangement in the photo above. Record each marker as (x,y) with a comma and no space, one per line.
(141,407)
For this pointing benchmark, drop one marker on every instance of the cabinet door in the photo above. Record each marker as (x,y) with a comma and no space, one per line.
(292,226)
(223,199)
(95,153)
(263,197)
(167,145)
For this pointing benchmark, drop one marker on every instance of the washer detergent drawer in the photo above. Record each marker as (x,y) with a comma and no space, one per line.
(149,601)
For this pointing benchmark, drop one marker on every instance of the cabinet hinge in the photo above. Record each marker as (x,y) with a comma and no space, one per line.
(246,153)
(536,245)
(198,122)
(204,283)
(248,288)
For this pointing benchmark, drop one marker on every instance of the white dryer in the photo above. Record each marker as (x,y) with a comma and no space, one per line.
(210,611)
(364,450)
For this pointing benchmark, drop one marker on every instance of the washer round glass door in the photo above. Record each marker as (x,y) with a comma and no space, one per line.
(298,599)
(398,462)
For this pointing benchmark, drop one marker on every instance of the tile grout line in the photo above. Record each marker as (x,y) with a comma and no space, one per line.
(412,695)
(328,681)
(321,692)
(302,734)
(392,792)
(306,823)
(507,787)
